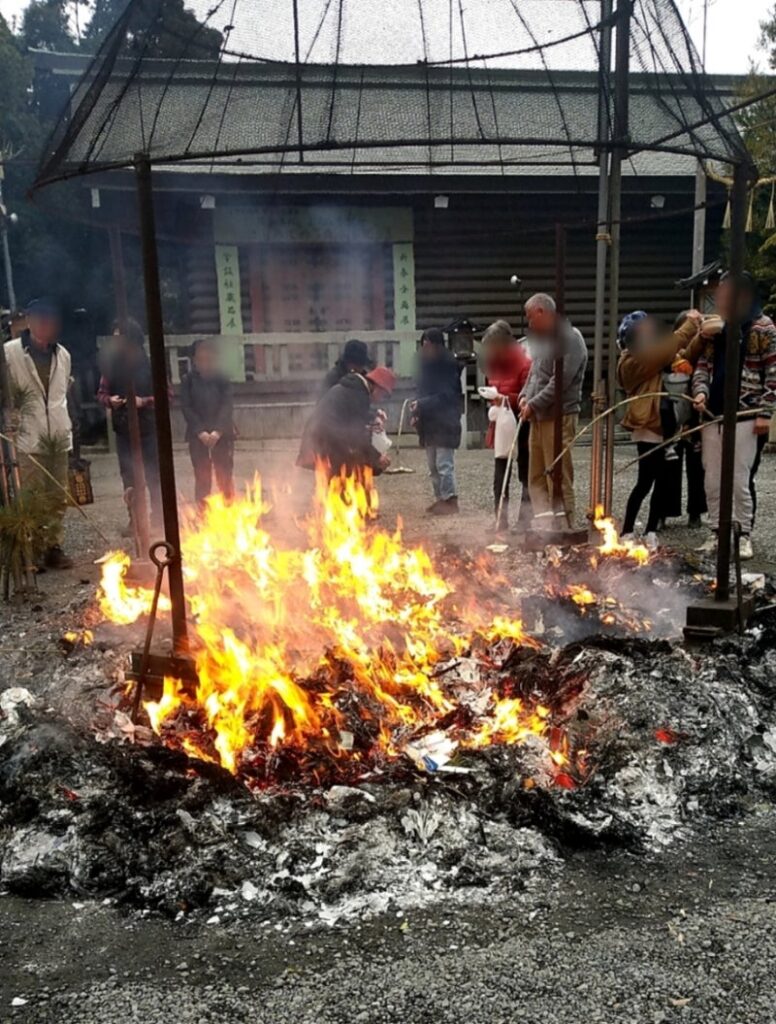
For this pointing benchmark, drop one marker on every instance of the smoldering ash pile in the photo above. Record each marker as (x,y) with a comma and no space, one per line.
(373,727)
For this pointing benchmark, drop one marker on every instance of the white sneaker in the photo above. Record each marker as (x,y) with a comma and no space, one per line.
(708,547)
(627,538)
(651,541)
(745,549)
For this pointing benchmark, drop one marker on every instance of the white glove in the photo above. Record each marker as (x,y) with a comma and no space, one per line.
(490,394)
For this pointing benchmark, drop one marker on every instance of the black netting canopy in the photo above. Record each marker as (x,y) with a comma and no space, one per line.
(376,85)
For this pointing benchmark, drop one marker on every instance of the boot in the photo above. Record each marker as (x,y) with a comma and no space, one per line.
(57,559)
(446,507)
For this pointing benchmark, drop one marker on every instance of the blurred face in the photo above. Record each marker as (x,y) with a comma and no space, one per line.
(728,297)
(378,394)
(541,321)
(45,328)
(646,333)
(205,361)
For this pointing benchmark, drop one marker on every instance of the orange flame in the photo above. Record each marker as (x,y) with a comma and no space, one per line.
(287,636)
(612,545)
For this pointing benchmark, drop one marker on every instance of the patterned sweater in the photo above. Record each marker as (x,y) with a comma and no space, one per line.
(758,367)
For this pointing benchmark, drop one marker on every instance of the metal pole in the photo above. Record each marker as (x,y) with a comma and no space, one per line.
(153,298)
(298,73)
(732,383)
(620,143)
(139,504)
(6,248)
(558,504)
(602,252)
(699,221)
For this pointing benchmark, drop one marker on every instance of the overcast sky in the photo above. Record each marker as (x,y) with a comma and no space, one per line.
(733,29)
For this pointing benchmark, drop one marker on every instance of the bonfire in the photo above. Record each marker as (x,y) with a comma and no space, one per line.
(345,652)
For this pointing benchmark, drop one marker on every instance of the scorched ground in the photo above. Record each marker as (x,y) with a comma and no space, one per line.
(373,727)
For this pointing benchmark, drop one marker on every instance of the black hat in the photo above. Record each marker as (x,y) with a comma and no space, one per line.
(43,306)
(435,335)
(356,353)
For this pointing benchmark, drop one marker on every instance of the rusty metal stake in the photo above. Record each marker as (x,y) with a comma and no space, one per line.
(739,588)
(161,562)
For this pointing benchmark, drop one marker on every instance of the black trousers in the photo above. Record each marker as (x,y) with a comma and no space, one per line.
(500,471)
(216,462)
(150,466)
(648,479)
(696,491)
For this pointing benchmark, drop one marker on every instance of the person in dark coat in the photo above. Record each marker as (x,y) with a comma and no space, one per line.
(437,416)
(206,401)
(339,432)
(354,359)
(128,366)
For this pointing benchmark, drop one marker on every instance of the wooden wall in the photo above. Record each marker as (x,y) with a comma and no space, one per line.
(466,254)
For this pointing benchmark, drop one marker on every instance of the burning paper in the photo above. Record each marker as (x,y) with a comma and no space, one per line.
(329,652)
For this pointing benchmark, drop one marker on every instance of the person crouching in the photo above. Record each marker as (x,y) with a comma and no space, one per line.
(339,431)
(206,401)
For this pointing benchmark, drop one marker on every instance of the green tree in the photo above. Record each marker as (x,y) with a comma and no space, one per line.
(16,120)
(46,26)
(168,30)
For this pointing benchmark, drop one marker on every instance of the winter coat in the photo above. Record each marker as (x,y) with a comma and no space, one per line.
(539,390)
(116,380)
(641,373)
(338,431)
(439,402)
(334,376)
(507,373)
(206,403)
(44,415)
(757,388)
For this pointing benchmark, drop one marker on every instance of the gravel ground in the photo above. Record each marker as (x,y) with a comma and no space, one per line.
(405,494)
(687,937)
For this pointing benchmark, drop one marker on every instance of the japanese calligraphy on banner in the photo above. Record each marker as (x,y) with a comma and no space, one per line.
(229,299)
(403,286)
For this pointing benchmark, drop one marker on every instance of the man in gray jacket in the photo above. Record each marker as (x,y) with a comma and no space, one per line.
(537,404)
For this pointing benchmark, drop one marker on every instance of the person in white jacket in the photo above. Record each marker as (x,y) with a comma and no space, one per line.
(39,375)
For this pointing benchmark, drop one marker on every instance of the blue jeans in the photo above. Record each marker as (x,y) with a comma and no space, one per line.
(441,466)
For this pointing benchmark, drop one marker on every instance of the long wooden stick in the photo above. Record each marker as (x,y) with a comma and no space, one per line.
(686,433)
(603,415)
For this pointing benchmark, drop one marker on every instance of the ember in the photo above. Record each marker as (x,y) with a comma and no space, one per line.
(333,656)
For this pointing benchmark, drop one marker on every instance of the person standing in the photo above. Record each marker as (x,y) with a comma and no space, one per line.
(646,349)
(128,369)
(339,431)
(507,365)
(206,402)
(437,416)
(354,359)
(548,332)
(756,398)
(39,375)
